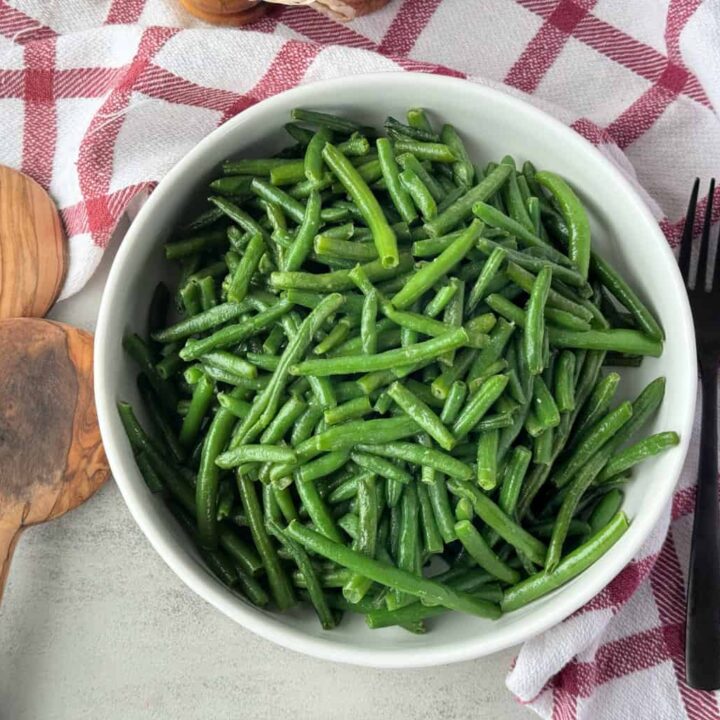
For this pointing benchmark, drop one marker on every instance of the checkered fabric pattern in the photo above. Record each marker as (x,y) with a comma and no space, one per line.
(99,98)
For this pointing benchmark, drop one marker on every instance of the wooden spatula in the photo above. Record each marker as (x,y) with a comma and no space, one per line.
(51,456)
(33,249)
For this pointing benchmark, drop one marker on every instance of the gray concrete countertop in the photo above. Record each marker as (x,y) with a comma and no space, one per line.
(95,626)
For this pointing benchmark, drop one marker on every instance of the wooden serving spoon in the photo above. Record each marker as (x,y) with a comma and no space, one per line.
(51,456)
(33,249)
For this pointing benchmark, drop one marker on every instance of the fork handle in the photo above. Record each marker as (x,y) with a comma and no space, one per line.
(702,634)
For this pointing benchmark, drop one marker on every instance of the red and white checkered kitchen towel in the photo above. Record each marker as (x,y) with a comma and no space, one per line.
(99,98)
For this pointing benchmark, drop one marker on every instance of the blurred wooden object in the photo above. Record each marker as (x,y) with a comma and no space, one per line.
(51,455)
(244,12)
(33,249)
(226,12)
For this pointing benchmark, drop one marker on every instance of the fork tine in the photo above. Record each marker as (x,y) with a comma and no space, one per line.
(687,236)
(705,241)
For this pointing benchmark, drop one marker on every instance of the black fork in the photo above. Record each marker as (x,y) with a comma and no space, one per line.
(702,632)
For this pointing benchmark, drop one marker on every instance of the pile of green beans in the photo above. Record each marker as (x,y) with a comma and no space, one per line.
(378,386)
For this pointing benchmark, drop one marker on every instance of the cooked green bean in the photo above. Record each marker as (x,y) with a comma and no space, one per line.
(487,460)
(575,218)
(422,415)
(420,455)
(632,455)
(428,275)
(350,410)
(433,592)
(494,517)
(383,361)
(478,404)
(482,553)
(453,402)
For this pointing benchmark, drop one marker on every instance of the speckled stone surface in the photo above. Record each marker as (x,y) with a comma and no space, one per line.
(95,626)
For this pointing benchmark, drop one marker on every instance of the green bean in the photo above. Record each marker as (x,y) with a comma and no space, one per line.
(199,406)
(440,300)
(544,412)
(349,250)
(381,466)
(266,403)
(233,334)
(453,402)
(159,419)
(575,218)
(543,447)
(317,510)
(580,483)
(489,271)
(338,280)
(419,352)
(618,339)
(483,555)
(368,514)
(499,521)
(433,151)
(565,381)
(631,456)
(464,510)
(428,275)
(255,453)
(280,586)
(494,218)
(140,352)
(535,322)
(364,431)
(565,320)
(421,196)
(432,539)
(624,293)
(420,455)
(368,323)
(491,353)
(429,247)
(356,187)
(150,476)
(461,209)
(487,459)
(245,556)
(323,391)
(600,433)
(287,415)
(478,404)
(513,477)
(230,362)
(605,510)
(408,539)
(440,387)
(202,322)
(495,422)
(398,194)
(422,414)
(428,590)
(201,242)
(572,565)
(303,243)
(526,280)
(322,466)
(351,410)
(325,120)
(203,220)
(313,161)
(596,406)
(463,170)
(240,280)
(409,162)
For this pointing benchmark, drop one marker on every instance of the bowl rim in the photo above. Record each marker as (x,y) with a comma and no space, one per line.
(263,623)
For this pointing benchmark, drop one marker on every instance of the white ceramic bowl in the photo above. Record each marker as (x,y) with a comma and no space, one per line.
(493,124)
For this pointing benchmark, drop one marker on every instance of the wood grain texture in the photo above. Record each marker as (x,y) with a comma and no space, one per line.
(51,455)
(219,12)
(33,248)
